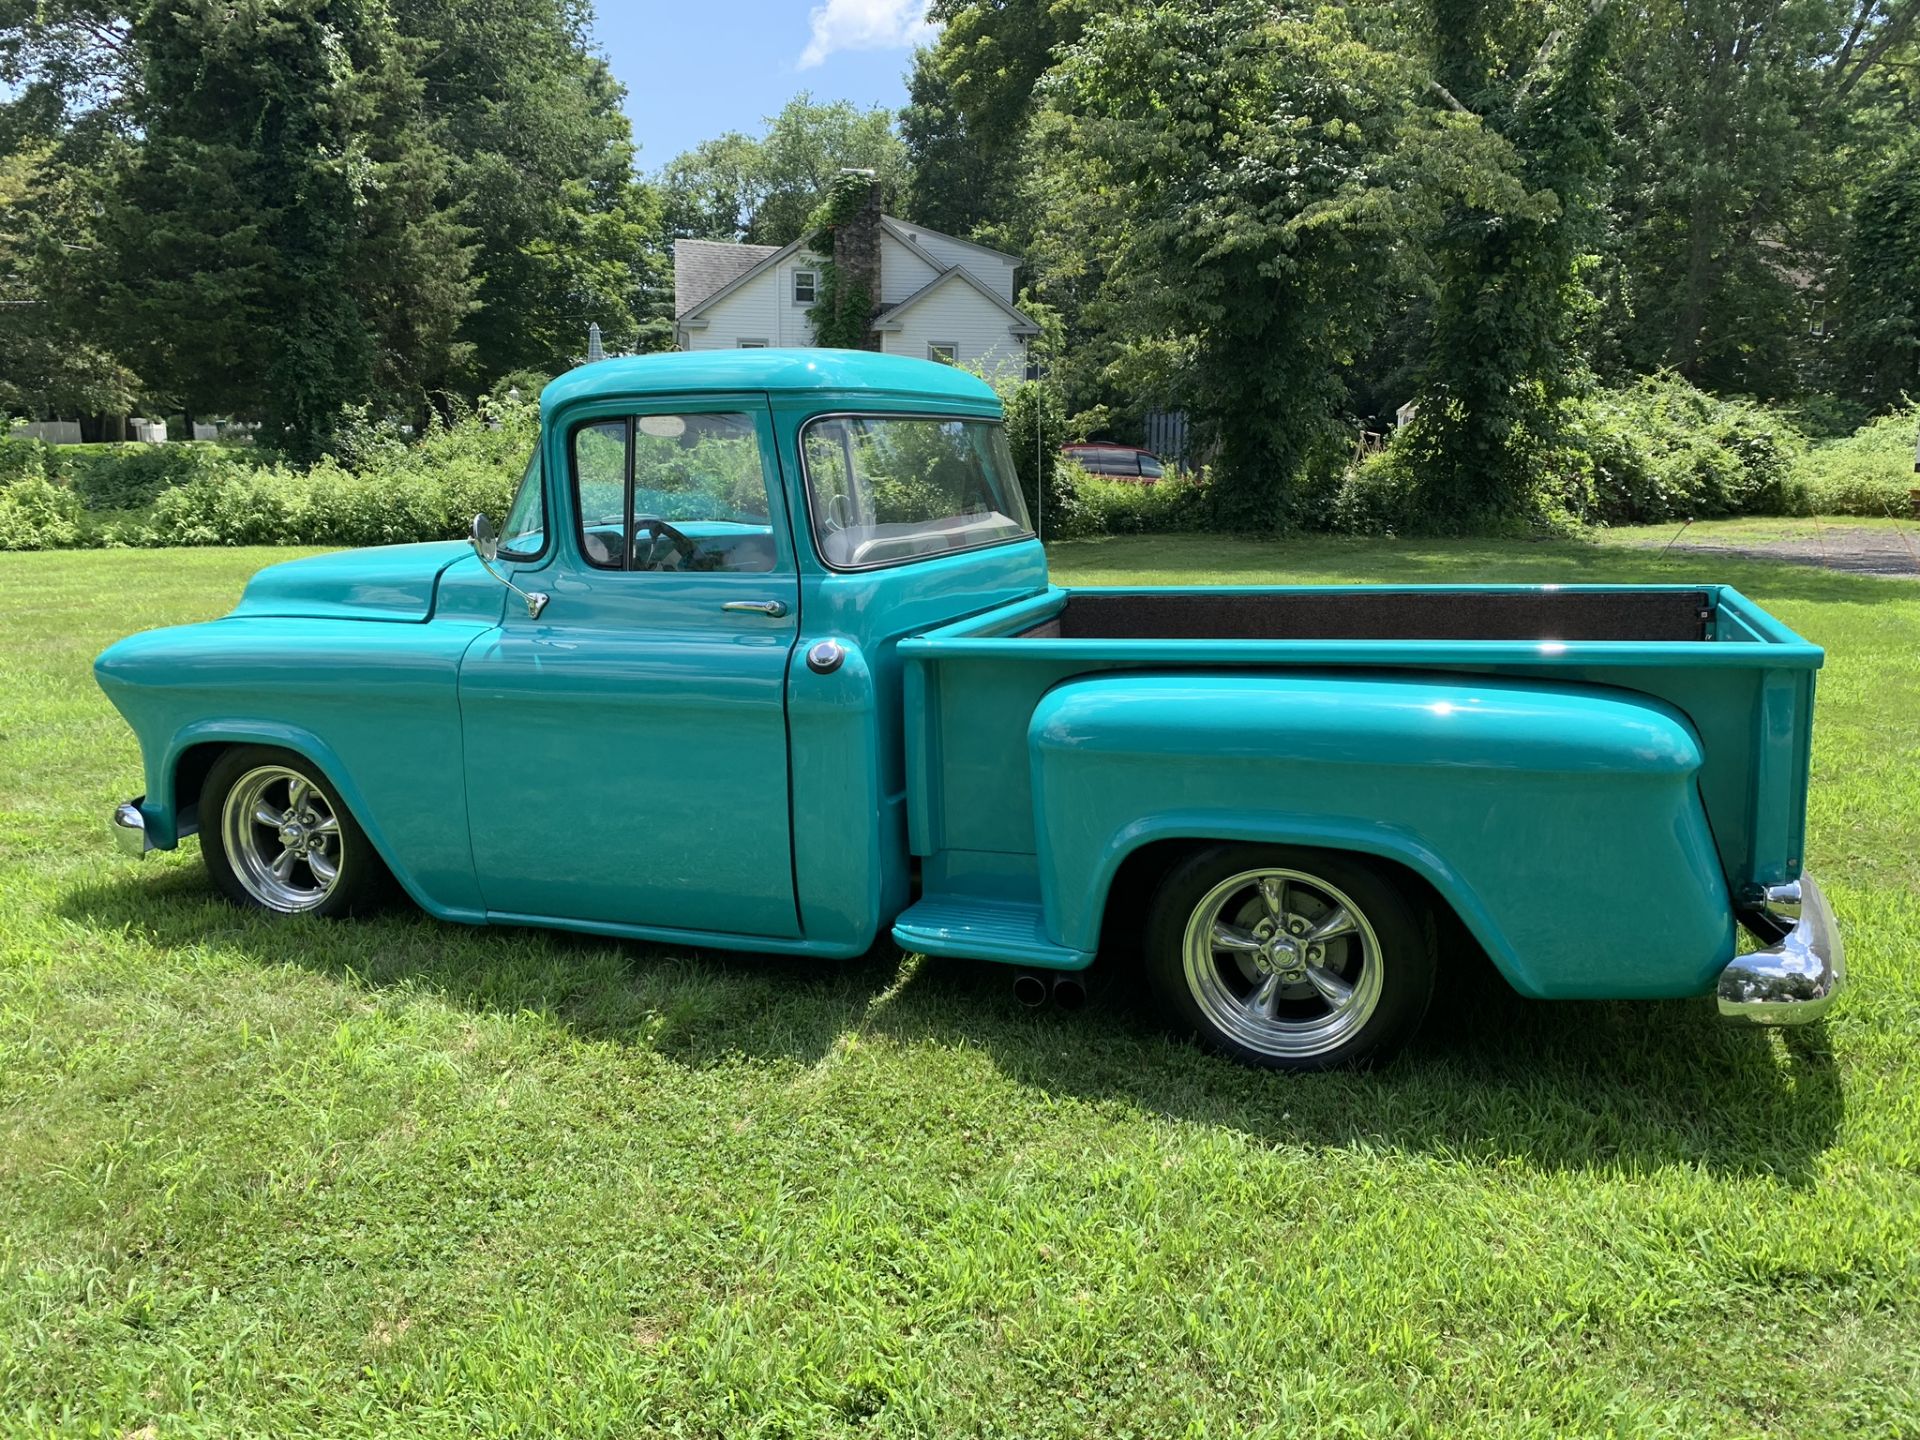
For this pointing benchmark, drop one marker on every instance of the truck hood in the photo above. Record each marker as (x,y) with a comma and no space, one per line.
(384,582)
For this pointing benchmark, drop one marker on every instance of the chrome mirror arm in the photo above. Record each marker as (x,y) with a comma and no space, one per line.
(536,599)
(486,545)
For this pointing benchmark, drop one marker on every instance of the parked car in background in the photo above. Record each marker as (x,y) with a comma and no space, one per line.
(1115,462)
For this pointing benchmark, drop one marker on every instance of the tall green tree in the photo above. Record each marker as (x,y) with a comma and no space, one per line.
(542,168)
(1880,309)
(68,64)
(1511,251)
(763,191)
(50,366)
(1746,129)
(279,242)
(1229,168)
(971,98)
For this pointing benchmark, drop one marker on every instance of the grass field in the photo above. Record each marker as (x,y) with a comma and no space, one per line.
(399,1177)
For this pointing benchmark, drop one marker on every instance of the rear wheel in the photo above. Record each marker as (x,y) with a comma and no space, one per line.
(275,836)
(1292,959)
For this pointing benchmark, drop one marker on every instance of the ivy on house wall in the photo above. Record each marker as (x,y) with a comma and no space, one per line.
(842,312)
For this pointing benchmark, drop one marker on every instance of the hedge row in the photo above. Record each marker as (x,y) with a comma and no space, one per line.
(1664,451)
(205,494)
(1657,452)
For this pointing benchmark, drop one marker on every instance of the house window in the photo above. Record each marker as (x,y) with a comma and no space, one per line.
(752,345)
(804,282)
(945,351)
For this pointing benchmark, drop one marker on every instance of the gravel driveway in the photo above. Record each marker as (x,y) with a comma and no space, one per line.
(1851,549)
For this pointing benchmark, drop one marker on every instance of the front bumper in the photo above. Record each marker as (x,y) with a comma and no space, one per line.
(130,827)
(1794,980)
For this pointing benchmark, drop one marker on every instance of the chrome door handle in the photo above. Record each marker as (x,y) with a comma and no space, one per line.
(774,608)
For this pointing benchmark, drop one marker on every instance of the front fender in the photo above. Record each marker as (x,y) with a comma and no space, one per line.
(374,705)
(1547,816)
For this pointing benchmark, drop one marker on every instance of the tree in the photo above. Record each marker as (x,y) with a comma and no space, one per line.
(1229,168)
(68,62)
(542,163)
(48,364)
(971,100)
(764,191)
(279,242)
(1747,130)
(1511,253)
(1880,325)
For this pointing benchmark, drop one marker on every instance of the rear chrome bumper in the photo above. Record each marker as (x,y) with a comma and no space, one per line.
(1793,981)
(130,827)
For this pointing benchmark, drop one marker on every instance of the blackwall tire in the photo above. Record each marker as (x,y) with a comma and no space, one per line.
(1289,958)
(276,836)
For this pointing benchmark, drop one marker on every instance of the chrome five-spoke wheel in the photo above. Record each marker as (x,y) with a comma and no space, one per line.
(1292,959)
(1283,962)
(275,836)
(282,838)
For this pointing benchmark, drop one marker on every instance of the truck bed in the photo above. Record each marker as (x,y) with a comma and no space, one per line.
(1379,614)
(1742,680)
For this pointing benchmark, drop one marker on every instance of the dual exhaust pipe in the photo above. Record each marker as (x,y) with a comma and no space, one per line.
(1066,991)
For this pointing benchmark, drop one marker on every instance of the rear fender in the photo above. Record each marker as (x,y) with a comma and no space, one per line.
(1562,823)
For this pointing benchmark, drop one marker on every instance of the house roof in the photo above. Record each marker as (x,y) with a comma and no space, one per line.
(692,371)
(889,318)
(906,232)
(703,268)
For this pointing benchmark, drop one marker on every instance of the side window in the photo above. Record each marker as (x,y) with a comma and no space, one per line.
(697,500)
(1151,468)
(803,287)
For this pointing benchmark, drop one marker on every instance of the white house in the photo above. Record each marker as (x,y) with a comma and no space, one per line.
(939,298)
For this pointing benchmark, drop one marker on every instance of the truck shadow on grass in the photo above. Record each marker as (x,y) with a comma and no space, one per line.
(1493,1079)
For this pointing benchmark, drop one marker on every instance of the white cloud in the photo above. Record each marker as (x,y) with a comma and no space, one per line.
(865,25)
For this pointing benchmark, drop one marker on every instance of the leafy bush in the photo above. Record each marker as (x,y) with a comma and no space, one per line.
(1663,450)
(207,494)
(1118,507)
(118,476)
(1659,450)
(1376,495)
(37,514)
(1870,472)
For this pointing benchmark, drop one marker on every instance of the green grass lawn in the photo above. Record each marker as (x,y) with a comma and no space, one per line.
(401,1177)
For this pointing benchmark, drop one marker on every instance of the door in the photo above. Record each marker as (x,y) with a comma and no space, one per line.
(626,752)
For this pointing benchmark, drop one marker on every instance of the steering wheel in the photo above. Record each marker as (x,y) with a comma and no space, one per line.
(658,529)
(839,514)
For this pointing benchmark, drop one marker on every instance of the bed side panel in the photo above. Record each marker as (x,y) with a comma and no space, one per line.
(1562,823)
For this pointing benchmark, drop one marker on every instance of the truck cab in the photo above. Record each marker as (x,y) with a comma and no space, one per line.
(764,655)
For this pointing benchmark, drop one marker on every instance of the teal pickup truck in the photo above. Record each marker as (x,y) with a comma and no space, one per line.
(765,657)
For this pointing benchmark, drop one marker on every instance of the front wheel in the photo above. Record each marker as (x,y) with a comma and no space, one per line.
(1292,959)
(275,836)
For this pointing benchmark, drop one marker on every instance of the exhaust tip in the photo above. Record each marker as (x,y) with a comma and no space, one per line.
(1069,992)
(1030,990)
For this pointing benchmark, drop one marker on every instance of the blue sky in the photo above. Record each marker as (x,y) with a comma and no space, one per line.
(697,68)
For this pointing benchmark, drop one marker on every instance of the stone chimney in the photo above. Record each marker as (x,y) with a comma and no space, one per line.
(856,249)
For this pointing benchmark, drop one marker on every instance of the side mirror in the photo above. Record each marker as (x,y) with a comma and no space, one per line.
(486,538)
(486,544)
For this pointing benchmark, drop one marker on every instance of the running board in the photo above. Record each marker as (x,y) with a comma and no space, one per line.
(971,927)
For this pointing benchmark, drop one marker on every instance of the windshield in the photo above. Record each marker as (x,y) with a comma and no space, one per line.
(889,488)
(524,536)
